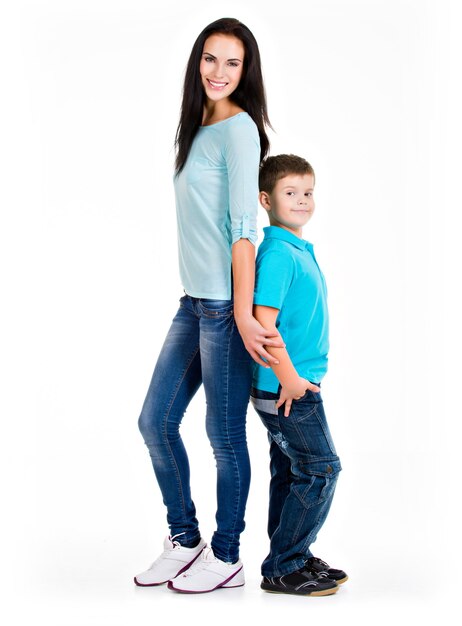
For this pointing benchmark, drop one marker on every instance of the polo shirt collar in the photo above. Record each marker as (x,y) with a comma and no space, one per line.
(275,232)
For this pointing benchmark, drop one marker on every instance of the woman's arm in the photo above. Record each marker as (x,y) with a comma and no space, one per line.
(242,156)
(254,335)
(293,385)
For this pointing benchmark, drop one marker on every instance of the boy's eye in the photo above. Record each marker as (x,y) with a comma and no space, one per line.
(291,193)
(309,194)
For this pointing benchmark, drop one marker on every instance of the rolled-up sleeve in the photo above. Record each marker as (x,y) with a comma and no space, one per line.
(242,156)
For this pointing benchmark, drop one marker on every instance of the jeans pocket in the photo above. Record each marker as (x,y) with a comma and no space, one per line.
(309,397)
(309,421)
(328,466)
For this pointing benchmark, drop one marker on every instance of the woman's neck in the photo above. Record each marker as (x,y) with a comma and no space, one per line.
(218,111)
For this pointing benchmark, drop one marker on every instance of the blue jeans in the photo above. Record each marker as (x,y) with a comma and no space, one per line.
(304,469)
(203,345)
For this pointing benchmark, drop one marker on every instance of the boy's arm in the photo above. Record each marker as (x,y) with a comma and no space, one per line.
(293,385)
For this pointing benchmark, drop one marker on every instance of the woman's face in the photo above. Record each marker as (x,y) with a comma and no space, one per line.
(221,65)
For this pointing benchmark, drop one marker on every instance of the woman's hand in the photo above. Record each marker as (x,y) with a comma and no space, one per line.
(255,338)
(295,392)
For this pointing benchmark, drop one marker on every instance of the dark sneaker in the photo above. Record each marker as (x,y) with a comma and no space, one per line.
(321,568)
(302,583)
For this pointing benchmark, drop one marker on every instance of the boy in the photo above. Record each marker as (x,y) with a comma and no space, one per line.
(290,295)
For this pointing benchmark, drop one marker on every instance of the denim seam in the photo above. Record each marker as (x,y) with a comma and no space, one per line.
(236,465)
(310,537)
(301,520)
(302,417)
(328,438)
(302,438)
(301,498)
(164,433)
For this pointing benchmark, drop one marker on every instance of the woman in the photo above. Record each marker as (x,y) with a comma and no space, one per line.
(220,142)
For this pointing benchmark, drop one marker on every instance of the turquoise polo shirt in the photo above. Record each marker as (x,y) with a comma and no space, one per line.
(288,278)
(216,197)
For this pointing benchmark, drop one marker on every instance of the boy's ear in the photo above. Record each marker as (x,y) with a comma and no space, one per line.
(265,200)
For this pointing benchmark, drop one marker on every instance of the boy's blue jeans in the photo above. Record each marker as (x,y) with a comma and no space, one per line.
(203,345)
(304,469)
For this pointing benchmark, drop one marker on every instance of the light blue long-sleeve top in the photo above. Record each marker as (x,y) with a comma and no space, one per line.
(216,203)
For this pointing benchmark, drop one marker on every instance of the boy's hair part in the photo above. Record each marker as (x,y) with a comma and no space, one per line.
(274,168)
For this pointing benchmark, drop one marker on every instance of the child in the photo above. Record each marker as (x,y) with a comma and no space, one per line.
(290,295)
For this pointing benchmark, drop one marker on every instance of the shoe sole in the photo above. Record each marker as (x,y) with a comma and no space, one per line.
(224,585)
(341,581)
(294,592)
(148,584)
(172,588)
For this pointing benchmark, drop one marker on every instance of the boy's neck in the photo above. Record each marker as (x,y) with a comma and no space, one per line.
(298,232)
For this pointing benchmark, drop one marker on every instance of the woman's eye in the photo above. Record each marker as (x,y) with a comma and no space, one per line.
(208,59)
(234,64)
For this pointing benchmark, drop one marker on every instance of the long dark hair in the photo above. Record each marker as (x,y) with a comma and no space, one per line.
(248,95)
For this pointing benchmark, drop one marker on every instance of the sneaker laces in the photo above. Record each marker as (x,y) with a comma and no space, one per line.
(202,563)
(313,570)
(176,544)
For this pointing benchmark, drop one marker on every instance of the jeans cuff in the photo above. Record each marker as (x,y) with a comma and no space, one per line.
(289,568)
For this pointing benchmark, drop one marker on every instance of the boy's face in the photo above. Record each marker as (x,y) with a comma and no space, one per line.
(291,204)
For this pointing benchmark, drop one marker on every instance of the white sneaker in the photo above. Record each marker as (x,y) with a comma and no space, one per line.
(174,560)
(209,573)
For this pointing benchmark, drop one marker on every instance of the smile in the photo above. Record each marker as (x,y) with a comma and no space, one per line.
(215,85)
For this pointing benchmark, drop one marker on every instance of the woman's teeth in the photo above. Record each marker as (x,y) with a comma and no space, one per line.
(217,85)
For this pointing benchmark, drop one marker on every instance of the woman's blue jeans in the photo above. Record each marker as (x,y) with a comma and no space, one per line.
(304,469)
(203,345)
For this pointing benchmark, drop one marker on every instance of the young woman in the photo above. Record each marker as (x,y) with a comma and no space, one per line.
(220,143)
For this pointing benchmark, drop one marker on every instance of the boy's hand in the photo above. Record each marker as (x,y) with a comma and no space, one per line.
(256,337)
(295,392)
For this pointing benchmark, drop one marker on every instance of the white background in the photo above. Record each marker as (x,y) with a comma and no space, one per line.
(368,92)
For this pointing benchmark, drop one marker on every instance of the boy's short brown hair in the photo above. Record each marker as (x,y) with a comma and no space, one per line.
(276,167)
